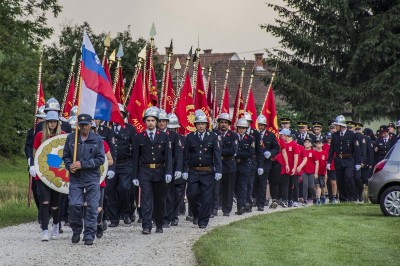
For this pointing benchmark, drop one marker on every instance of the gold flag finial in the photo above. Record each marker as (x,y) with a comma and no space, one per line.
(107,40)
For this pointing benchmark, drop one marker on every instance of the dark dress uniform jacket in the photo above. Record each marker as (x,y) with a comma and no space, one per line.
(383,148)
(156,152)
(244,154)
(369,146)
(108,136)
(91,155)
(257,157)
(29,145)
(229,146)
(363,147)
(206,152)
(346,147)
(124,139)
(307,135)
(177,150)
(270,143)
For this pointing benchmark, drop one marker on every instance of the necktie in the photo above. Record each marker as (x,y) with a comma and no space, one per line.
(241,137)
(303,136)
(151,136)
(201,136)
(384,140)
(341,134)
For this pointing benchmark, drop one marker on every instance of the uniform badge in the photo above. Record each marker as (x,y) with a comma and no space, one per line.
(179,143)
(236,142)
(363,141)
(253,144)
(113,140)
(219,138)
(357,143)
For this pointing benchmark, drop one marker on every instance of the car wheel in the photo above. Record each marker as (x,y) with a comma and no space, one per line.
(390,201)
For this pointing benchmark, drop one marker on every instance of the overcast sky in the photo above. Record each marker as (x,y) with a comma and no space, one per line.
(221,25)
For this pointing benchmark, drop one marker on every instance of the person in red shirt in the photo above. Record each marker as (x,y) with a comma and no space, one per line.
(51,128)
(331,182)
(309,166)
(319,183)
(292,151)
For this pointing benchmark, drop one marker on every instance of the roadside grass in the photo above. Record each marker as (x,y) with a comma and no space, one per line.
(14,184)
(342,234)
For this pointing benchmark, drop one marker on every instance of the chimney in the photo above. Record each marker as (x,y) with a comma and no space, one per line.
(207,51)
(259,61)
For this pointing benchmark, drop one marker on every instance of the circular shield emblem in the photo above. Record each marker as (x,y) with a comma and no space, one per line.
(50,166)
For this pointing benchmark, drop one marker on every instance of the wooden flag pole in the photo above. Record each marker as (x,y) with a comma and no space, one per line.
(71,73)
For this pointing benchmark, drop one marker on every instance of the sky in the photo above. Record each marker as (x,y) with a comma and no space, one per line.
(221,25)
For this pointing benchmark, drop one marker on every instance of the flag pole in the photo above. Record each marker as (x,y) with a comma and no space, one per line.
(208,78)
(195,66)
(38,88)
(71,73)
(168,69)
(107,43)
(239,94)
(225,84)
(111,59)
(79,111)
(116,75)
(177,68)
(141,60)
(78,74)
(248,91)
(215,104)
(179,90)
(163,84)
(269,87)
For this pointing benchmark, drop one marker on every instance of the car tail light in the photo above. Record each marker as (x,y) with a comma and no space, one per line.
(379,166)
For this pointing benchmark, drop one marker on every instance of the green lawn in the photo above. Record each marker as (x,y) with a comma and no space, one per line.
(328,235)
(13,193)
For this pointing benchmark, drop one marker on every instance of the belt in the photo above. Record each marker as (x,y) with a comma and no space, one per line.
(124,160)
(345,155)
(202,168)
(153,165)
(226,157)
(242,160)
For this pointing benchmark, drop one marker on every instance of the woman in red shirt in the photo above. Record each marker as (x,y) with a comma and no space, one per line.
(51,128)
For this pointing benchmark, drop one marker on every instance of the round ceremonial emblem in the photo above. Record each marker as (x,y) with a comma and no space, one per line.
(50,166)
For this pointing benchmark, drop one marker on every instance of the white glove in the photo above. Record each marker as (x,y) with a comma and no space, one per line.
(260,171)
(110,174)
(358,167)
(185,176)
(32,171)
(29,162)
(168,178)
(218,176)
(267,154)
(178,174)
(328,166)
(135,182)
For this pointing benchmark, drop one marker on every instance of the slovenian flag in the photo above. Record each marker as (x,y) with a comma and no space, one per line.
(97,97)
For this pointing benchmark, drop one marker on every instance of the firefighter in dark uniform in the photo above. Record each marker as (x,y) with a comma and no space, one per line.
(383,144)
(152,169)
(229,145)
(202,165)
(397,135)
(171,203)
(303,133)
(246,149)
(317,129)
(392,129)
(366,169)
(119,188)
(270,149)
(358,185)
(256,161)
(345,150)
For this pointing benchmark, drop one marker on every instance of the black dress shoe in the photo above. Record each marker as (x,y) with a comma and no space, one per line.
(132,217)
(189,218)
(89,242)
(165,225)
(226,214)
(202,226)
(241,211)
(195,220)
(215,212)
(104,225)
(146,231)
(174,222)
(139,220)
(99,232)
(127,220)
(211,215)
(159,230)
(113,224)
(260,209)
(60,231)
(76,238)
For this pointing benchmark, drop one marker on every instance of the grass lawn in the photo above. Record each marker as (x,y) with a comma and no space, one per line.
(14,184)
(352,234)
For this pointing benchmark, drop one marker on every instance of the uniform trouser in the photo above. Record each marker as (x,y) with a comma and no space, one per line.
(366,174)
(294,188)
(261,190)
(52,198)
(250,184)
(175,194)
(331,177)
(152,203)
(345,183)
(119,191)
(273,179)
(228,187)
(308,183)
(216,195)
(358,185)
(76,199)
(199,191)
(241,183)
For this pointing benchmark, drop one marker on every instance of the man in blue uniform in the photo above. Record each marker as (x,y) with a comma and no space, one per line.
(84,178)
(152,168)
(383,144)
(202,165)
(303,133)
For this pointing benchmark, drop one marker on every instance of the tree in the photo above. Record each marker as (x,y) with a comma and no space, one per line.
(23,27)
(337,56)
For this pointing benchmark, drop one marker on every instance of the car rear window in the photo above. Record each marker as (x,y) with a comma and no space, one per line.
(395,150)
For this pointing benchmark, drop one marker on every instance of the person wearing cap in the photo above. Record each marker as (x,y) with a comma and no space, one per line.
(392,129)
(30,137)
(119,188)
(332,127)
(383,144)
(285,122)
(202,165)
(48,198)
(320,182)
(331,174)
(317,129)
(246,149)
(346,153)
(229,147)
(256,161)
(175,189)
(303,133)
(152,170)
(270,149)
(358,184)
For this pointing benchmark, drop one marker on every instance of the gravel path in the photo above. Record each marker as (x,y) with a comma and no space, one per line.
(123,245)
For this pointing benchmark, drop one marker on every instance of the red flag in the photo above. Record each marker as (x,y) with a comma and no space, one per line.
(200,97)
(269,110)
(185,108)
(107,70)
(215,107)
(152,87)
(169,95)
(137,104)
(119,88)
(251,108)
(225,104)
(210,96)
(41,100)
(70,98)
(238,107)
